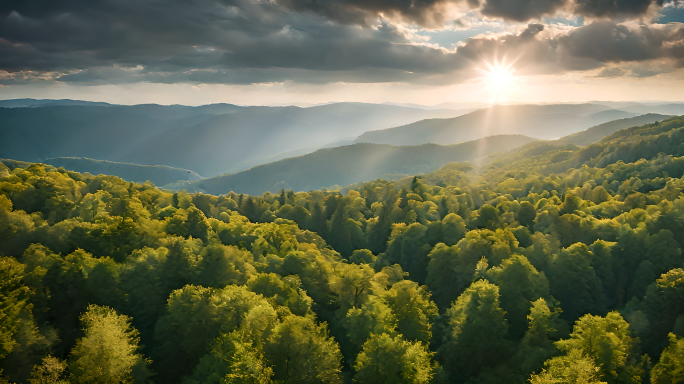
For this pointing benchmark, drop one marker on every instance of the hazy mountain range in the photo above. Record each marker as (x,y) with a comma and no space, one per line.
(210,140)
(263,148)
(539,121)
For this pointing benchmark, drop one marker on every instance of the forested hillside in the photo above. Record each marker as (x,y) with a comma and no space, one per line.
(550,265)
(538,121)
(158,174)
(596,133)
(350,164)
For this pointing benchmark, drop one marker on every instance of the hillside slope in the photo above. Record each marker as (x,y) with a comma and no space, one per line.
(539,121)
(596,133)
(158,174)
(351,164)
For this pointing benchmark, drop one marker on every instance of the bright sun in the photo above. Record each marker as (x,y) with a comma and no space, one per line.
(498,78)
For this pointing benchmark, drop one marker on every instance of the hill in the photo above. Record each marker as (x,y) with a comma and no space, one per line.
(158,174)
(350,164)
(539,121)
(210,139)
(596,133)
(631,145)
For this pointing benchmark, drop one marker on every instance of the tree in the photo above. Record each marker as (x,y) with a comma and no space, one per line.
(414,309)
(51,371)
(536,346)
(606,340)
(301,352)
(407,246)
(282,291)
(107,352)
(362,256)
(574,368)
(670,367)
(238,356)
(247,367)
(388,360)
(488,217)
(665,303)
(574,282)
(195,316)
(220,265)
(450,269)
(453,229)
(197,224)
(352,284)
(477,332)
(374,317)
(519,285)
(445,274)
(526,214)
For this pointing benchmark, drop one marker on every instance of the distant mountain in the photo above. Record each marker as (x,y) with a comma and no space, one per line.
(108,133)
(19,103)
(350,164)
(665,109)
(210,139)
(596,133)
(539,121)
(158,174)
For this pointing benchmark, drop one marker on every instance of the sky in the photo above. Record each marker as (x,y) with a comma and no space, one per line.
(279,52)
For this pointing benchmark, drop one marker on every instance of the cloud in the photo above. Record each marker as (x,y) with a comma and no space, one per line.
(263,41)
(615,8)
(611,72)
(434,13)
(521,10)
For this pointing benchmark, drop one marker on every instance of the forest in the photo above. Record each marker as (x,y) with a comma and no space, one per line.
(547,264)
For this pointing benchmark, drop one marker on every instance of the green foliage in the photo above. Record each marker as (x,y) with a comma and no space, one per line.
(413,308)
(13,297)
(670,367)
(301,352)
(279,287)
(607,341)
(574,368)
(385,359)
(107,351)
(51,371)
(520,284)
(477,333)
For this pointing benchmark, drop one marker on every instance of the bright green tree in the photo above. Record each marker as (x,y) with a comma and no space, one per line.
(414,309)
(300,351)
(574,368)
(107,353)
(388,360)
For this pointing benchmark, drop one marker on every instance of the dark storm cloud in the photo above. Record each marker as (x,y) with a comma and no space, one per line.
(246,41)
(229,41)
(612,8)
(609,42)
(521,10)
(433,13)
